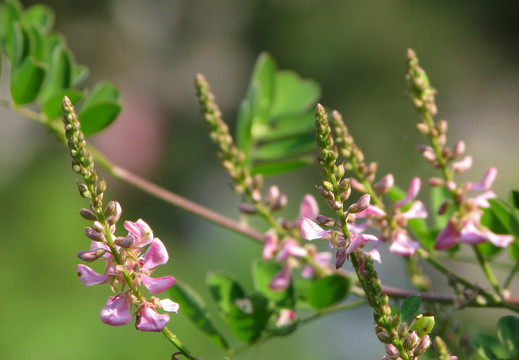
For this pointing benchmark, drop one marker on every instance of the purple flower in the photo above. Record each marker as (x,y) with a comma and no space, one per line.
(155,255)
(117,310)
(149,320)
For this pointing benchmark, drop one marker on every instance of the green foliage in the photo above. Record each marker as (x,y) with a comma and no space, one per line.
(275,123)
(263,272)
(505,346)
(43,69)
(195,309)
(328,291)
(410,306)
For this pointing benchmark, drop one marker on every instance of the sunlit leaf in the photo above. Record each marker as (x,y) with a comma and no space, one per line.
(288,125)
(26,81)
(508,333)
(192,305)
(40,16)
(224,290)
(328,291)
(52,106)
(293,94)
(98,116)
(410,306)
(275,168)
(248,317)
(287,147)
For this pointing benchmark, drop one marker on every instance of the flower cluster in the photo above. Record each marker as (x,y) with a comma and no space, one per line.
(288,249)
(127,272)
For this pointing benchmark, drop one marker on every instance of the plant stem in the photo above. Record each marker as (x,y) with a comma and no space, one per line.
(485,265)
(178,344)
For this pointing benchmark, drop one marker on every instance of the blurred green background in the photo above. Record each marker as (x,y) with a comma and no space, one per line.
(152,50)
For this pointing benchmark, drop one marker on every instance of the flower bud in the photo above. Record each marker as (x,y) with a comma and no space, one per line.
(344,185)
(324,221)
(384,184)
(90,256)
(116,214)
(339,173)
(423,324)
(411,341)
(94,235)
(395,322)
(360,205)
(83,190)
(100,188)
(247,208)
(328,195)
(462,165)
(421,127)
(256,195)
(382,335)
(422,346)
(434,181)
(280,203)
(403,330)
(87,214)
(340,258)
(110,208)
(442,126)
(272,195)
(98,226)
(458,148)
(125,242)
(328,185)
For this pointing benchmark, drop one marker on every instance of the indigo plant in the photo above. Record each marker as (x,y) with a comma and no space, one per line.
(354,211)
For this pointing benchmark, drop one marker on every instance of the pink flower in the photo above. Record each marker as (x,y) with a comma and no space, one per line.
(150,320)
(485,183)
(140,231)
(116,311)
(281,280)
(270,244)
(155,255)
(402,243)
(308,208)
(89,277)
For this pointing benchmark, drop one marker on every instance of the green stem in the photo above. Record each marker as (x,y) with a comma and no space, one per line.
(511,275)
(178,344)
(485,265)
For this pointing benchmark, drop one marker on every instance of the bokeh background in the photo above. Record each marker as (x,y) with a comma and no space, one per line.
(152,50)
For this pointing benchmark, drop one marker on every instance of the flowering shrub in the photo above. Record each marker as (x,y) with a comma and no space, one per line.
(295,281)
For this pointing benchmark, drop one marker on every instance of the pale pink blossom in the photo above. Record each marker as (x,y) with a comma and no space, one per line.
(116,311)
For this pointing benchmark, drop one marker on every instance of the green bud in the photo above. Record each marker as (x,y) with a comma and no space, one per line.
(423,324)
(328,185)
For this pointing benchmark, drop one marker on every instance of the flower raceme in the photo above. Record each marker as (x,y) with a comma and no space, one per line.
(130,279)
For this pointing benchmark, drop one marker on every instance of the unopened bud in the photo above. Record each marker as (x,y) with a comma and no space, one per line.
(423,324)
(88,215)
(94,235)
(340,258)
(462,165)
(382,335)
(116,215)
(411,341)
(90,256)
(324,221)
(110,208)
(280,203)
(422,346)
(328,195)
(442,126)
(384,184)
(403,330)
(328,185)
(357,186)
(422,128)
(98,226)
(344,185)
(395,322)
(256,195)
(247,208)
(83,190)
(125,242)
(458,148)
(339,173)
(360,205)
(272,195)
(257,181)
(101,187)
(434,181)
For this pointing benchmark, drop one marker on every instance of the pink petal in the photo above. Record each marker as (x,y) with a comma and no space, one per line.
(116,311)
(360,205)
(169,306)
(403,245)
(370,211)
(462,165)
(497,239)
(447,238)
(150,320)
(140,231)
(157,285)
(89,277)
(309,208)
(357,240)
(155,255)
(482,199)
(486,182)
(385,184)
(310,230)
(417,210)
(322,259)
(271,245)
(285,317)
(282,279)
(470,233)
(412,192)
(290,247)
(375,255)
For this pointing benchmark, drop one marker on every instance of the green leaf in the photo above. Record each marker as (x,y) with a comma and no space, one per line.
(224,290)
(60,73)
(484,351)
(489,348)
(328,290)
(192,305)
(14,9)
(39,16)
(98,116)
(506,214)
(103,91)
(514,199)
(268,169)
(285,148)
(26,81)
(52,106)
(14,44)
(410,306)
(79,74)
(293,94)
(263,273)
(288,125)
(508,333)
(248,317)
